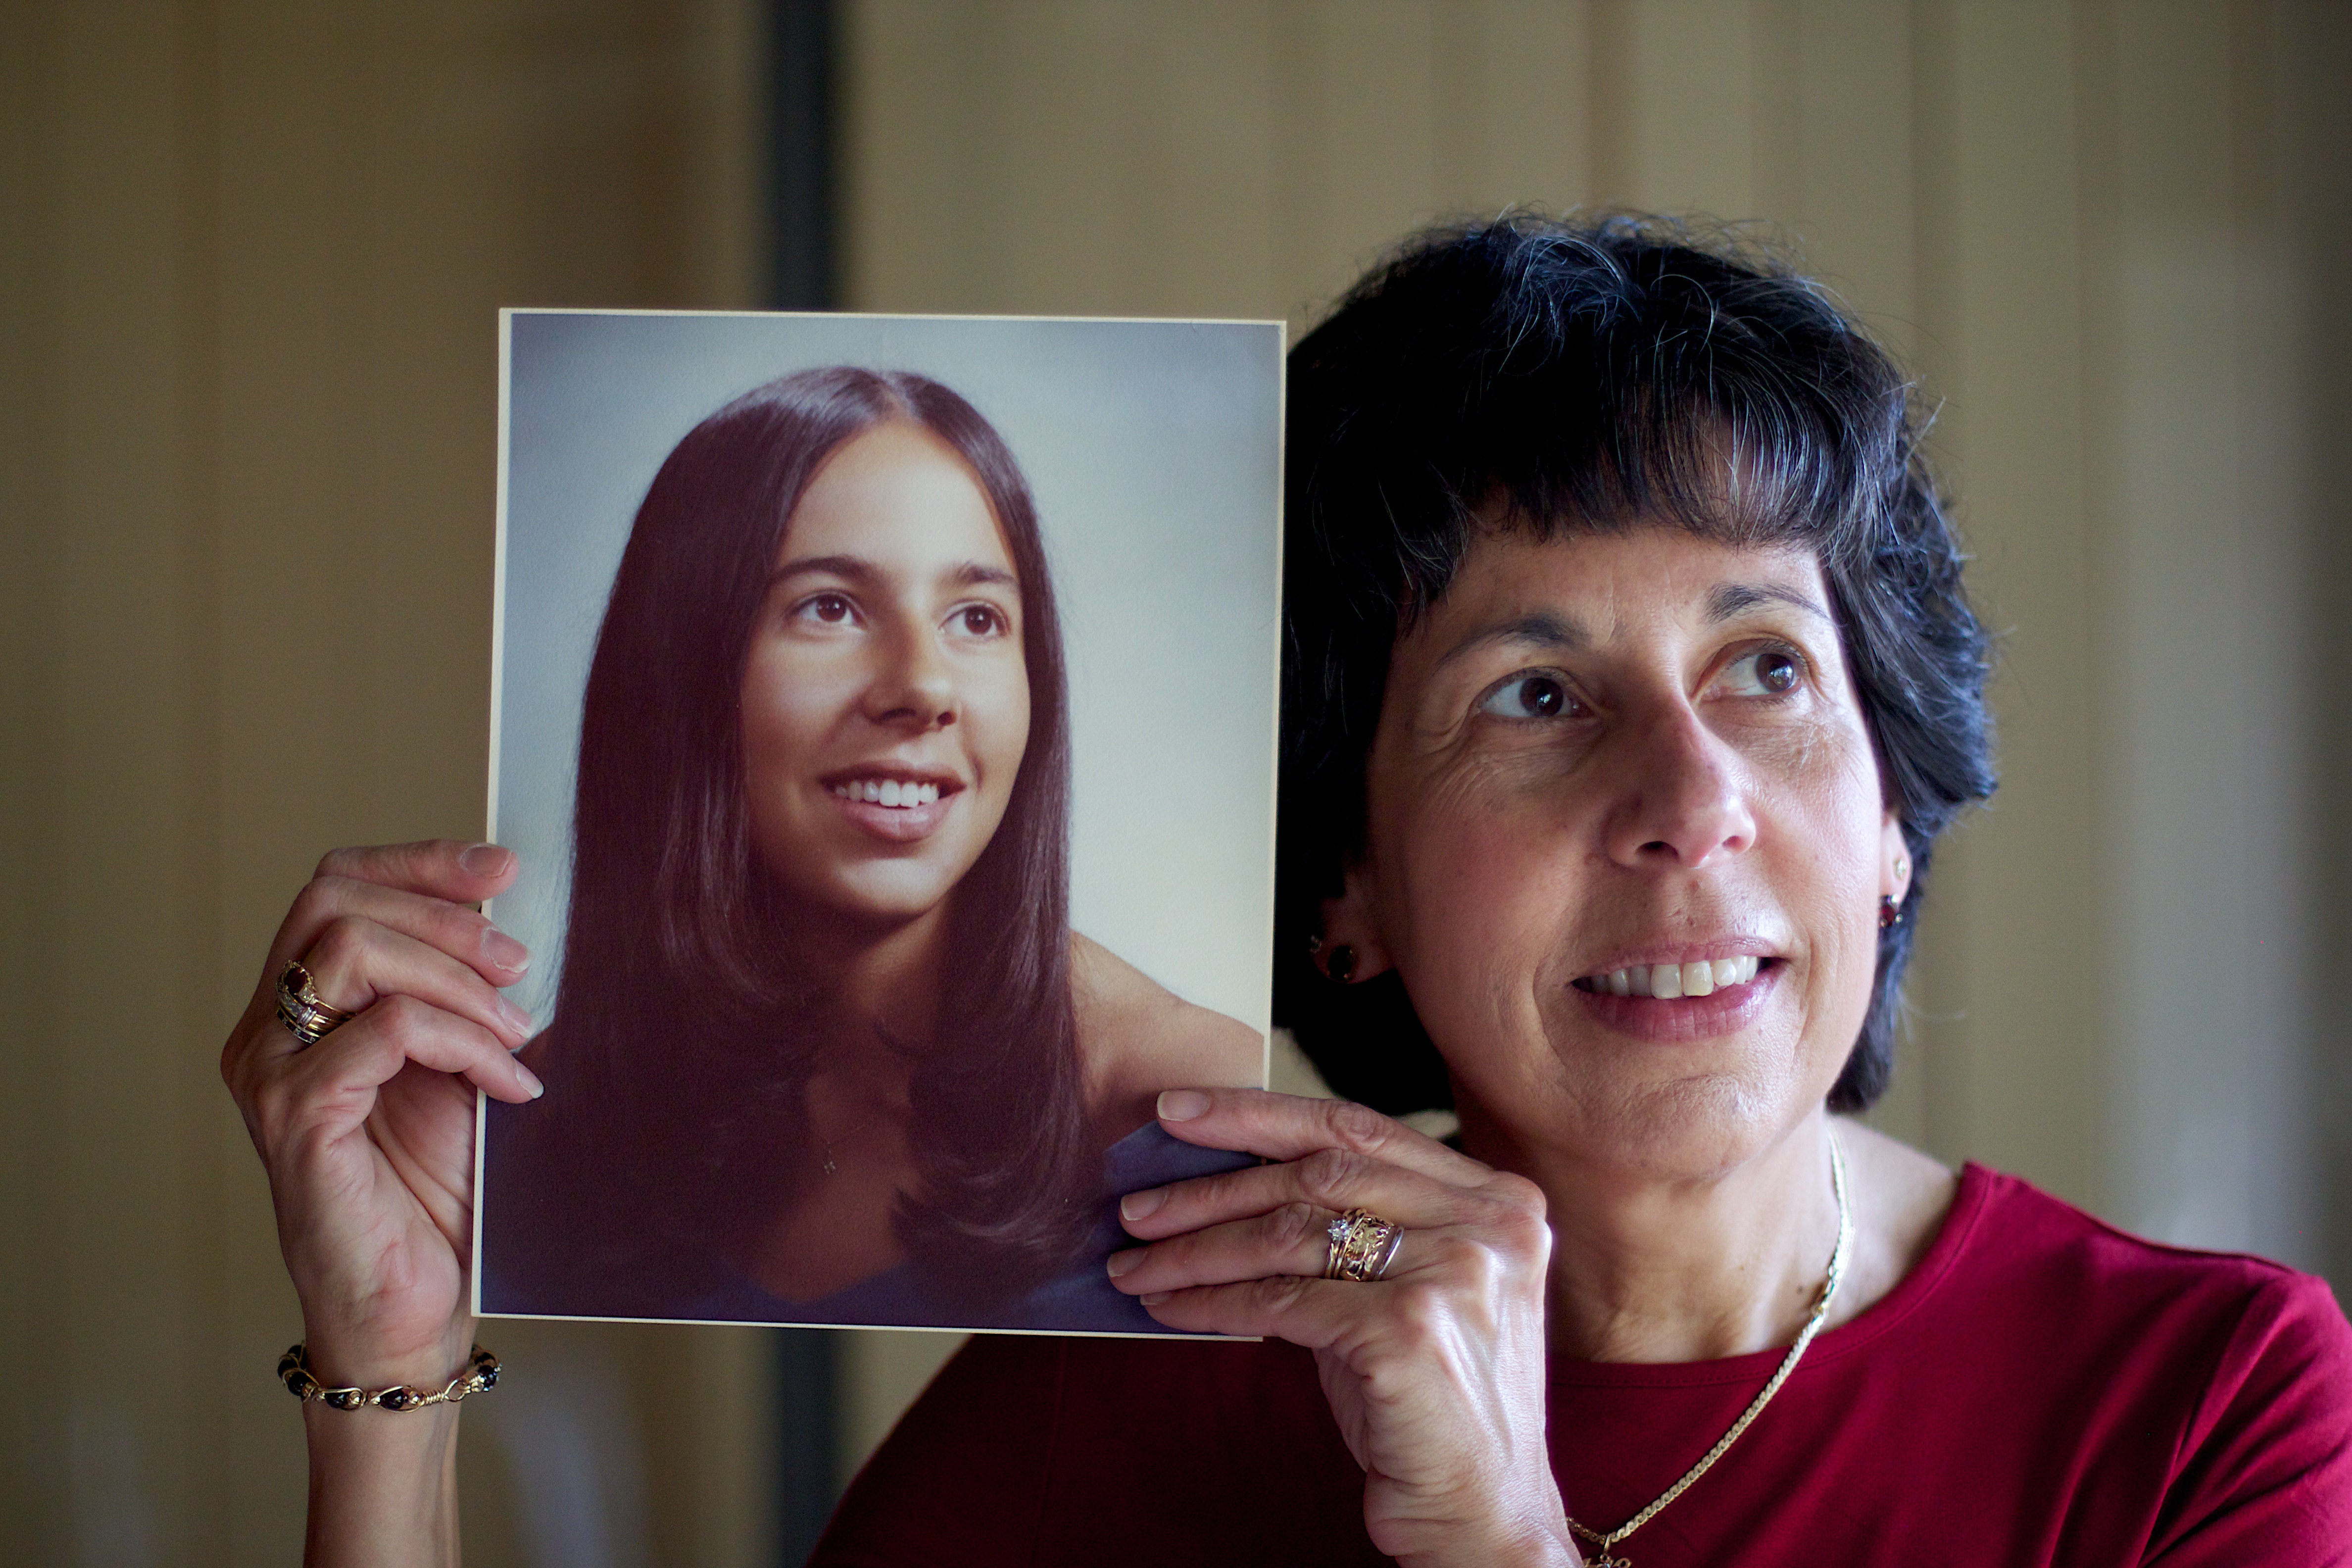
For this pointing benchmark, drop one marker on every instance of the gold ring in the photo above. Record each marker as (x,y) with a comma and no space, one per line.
(1363,1245)
(306,1017)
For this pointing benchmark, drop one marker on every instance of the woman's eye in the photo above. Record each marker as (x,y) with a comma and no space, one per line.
(828,609)
(1766,672)
(1529,696)
(979,621)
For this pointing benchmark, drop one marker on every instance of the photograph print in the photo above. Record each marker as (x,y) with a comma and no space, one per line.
(887,709)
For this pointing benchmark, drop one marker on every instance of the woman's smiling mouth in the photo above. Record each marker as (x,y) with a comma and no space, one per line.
(1698,999)
(1667,981)
(891,792)
(894,807)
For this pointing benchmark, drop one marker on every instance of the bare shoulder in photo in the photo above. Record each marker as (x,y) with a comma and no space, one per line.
(895,701)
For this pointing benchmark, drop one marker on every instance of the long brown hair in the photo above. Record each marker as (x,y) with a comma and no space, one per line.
(675,1124)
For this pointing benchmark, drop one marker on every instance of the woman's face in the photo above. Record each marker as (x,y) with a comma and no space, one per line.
(886,699)
(1600,757)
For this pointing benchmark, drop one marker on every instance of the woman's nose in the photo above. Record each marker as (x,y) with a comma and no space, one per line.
(1684,803)
(914,689)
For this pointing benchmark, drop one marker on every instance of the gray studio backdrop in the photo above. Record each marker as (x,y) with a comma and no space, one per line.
(1154,451)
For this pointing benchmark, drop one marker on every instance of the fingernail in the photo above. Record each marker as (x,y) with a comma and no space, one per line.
(505,951)
(1155,1298)
(1125,1262)
(517,1019)
(484,860)
(530,1080)
(1138,1205)
(1182,1104)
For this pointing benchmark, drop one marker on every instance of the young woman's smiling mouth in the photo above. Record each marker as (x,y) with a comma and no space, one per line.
(896,805)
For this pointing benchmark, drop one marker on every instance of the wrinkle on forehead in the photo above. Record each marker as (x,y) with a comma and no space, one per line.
(1524,620)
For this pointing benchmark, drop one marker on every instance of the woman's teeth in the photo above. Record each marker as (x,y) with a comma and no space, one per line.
(888,792)
(1666,982)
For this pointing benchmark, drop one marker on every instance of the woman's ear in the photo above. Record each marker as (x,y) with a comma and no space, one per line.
(1348,948)
(1894,860)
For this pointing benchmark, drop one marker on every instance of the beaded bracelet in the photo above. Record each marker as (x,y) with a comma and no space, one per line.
(481,1373)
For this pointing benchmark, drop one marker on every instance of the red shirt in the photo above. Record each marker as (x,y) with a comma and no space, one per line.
(2040,1389)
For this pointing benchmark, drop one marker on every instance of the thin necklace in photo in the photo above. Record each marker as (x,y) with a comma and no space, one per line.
(831,1169)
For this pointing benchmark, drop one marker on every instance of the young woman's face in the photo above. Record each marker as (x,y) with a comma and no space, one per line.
(885,699)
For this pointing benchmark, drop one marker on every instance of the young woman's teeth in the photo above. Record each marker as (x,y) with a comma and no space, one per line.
(1665,982)
(888,792)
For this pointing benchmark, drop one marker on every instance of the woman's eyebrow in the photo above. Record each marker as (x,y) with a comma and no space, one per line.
(1730,599)
(851,567)
(972,574)
(963,575)
(1540,629)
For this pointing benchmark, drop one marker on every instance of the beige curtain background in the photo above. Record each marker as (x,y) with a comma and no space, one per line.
(250,257)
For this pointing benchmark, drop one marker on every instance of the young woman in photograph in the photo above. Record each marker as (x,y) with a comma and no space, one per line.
(824,1047)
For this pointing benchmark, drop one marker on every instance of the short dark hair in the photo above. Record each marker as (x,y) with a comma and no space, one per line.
(681,1037)
(1593,374)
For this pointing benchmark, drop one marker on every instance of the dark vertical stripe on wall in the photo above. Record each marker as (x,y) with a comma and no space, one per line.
(803,242)
(803,275)
(807,1412)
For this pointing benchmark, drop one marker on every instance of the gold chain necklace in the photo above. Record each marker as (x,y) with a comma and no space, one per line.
(1607,1542)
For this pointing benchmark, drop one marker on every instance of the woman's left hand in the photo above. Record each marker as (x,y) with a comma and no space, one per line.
(1436,1372)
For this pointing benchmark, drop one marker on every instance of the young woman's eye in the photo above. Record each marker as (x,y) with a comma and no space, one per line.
(826,609)
(979,621)
(1766,672)
(1529,696)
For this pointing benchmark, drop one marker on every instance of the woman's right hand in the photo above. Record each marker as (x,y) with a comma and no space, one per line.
(368,1135)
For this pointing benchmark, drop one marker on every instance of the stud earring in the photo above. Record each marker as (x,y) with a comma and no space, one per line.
(1902,870)
(1314,945)
(1890,914)
(1342,967)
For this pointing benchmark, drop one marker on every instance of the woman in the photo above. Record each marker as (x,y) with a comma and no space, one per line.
(1630,682)
(819,949)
